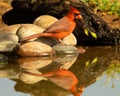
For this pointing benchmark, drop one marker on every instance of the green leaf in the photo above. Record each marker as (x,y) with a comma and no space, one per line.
(87,63)
(93,34)
(86,32)
(94,60)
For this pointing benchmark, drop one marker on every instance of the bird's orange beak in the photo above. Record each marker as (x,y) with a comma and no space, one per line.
(78,17)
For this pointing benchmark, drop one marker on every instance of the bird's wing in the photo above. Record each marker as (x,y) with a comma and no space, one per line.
(63,24)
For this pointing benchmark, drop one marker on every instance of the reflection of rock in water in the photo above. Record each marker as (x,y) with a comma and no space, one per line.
(43,88)
(99,59)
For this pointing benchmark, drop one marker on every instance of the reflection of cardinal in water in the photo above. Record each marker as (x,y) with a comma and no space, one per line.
(61,28)
(63,78)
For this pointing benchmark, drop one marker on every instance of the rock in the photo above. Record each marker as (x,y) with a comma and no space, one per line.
(48,40)
(10,29)
(8,41)
(35,49)
(33,62)
(27,30)
(70,40)
(45,21)
(8,37)
(65,49)
(7,46)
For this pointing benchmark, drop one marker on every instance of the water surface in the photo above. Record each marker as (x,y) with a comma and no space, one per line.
(97,70)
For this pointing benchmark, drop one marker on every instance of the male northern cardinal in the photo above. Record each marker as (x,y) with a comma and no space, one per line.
(63,78)
(61,28)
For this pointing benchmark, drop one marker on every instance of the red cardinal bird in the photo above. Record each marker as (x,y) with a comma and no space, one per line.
(63,78)
(61,28)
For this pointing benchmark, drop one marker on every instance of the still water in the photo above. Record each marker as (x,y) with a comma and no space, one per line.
(97,71)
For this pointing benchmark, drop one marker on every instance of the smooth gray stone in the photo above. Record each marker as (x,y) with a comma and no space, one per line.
(65,49)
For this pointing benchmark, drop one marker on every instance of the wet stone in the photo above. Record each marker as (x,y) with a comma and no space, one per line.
(65,49)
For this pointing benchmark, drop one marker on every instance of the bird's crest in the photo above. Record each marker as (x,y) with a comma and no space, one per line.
(74,10)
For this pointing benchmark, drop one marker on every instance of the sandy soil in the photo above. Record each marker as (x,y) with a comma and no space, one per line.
(112,20)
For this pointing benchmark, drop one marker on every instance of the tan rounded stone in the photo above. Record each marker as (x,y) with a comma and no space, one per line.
(10,29)
(70,40)
(34,49)
(27,30)
(45,21)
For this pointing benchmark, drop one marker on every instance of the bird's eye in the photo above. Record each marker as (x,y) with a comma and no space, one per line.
(76,14)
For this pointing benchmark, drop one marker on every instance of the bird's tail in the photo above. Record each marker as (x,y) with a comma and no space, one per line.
(34,36)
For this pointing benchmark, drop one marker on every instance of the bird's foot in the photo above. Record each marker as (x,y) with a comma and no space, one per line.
(62,42)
